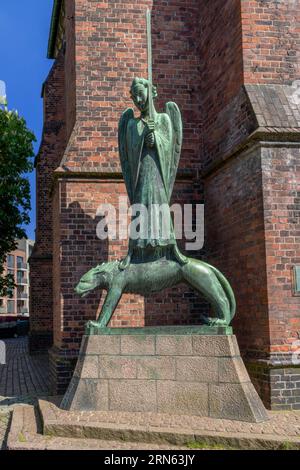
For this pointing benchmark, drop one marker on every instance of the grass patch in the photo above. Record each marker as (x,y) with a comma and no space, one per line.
(288,446)
(21,437)
(207,446)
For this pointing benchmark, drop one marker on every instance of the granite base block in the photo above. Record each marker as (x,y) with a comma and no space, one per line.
(188,374)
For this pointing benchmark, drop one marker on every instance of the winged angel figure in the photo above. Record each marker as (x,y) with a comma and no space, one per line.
(150,147)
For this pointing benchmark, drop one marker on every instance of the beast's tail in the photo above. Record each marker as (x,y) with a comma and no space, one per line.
(227,289)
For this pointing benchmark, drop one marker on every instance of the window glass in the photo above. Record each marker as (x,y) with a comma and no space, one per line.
(10,306)
(20,260)
(10,261)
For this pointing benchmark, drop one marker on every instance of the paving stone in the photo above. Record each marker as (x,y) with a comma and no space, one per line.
(34,371)
(280,429)
(22,379)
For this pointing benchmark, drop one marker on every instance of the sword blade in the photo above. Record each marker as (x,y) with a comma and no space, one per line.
(149,48)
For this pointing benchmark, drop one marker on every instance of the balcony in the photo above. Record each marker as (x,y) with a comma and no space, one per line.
(22,266)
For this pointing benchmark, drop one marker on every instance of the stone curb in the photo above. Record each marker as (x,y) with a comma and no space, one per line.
(23,435)
(145,434)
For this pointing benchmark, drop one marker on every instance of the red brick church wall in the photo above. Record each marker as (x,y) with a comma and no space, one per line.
(251,180)
(49,156)
(108,50)
(220,65)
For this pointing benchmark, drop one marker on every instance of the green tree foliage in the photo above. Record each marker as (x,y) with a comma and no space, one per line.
(16,152)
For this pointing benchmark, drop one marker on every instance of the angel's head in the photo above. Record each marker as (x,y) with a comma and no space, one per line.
(139,92)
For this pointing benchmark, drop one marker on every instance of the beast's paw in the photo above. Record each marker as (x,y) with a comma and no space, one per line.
(92,326)
(213,321)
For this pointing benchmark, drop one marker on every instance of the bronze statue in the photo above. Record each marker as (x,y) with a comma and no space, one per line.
(150,148)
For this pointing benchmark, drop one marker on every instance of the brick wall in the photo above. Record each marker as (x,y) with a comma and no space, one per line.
(235,243)
(271,43)
(251,190)
(281,176)
(249,42)
(110,50)
(50,152)
(220,51)
(205,57)
(49,155)
(70,66)
(101,60)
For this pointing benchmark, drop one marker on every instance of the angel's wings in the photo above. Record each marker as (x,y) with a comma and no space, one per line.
(128,163)
(124,157)
(175,116)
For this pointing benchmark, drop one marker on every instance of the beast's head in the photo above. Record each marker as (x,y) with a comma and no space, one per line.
(101,276)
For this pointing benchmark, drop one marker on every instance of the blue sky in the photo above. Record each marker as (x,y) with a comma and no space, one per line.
(24,30)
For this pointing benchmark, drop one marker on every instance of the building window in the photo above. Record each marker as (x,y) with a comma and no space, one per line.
(21,307)
(10,306)
(10,293)
(11,261)
(20,261)
(19,277)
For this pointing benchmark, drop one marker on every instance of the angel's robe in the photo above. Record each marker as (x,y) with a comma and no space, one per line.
(150,180)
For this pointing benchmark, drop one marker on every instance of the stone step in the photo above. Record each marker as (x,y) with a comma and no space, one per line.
(283,429)
(25,434)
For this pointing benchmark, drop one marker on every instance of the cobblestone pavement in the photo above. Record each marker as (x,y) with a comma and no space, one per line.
(25,434)
(281,423)
(23,374)
(147,431)
(22,379)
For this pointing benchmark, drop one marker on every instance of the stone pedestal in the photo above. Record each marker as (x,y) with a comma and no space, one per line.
(179,371)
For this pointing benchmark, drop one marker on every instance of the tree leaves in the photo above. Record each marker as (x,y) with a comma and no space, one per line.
(16,152)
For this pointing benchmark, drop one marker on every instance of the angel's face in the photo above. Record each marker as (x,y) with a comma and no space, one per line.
(140,97)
